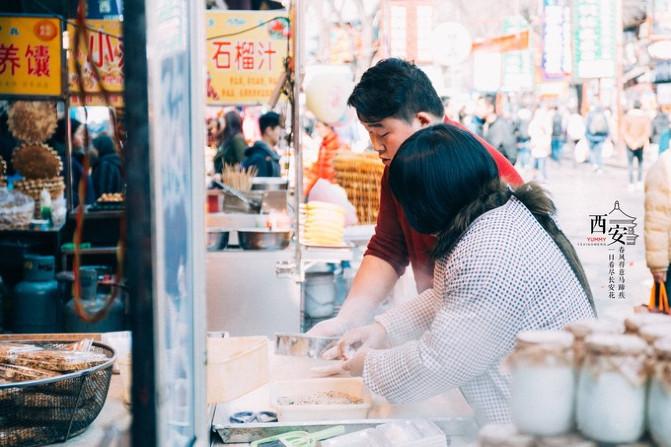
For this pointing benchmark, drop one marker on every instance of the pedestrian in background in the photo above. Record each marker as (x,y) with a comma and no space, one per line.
(522,137)
(557,134)
(575,130)
(232,148)
(106,175)
(597,131)
(657,225)
(636,135)
(262,154)
(660,131)
(540,132)
(499,133)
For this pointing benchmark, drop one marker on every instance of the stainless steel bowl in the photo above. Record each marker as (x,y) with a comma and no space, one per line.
(217,240)
(261,239)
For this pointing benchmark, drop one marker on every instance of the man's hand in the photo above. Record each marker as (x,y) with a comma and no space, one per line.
(659,276)
(373,336)
(333,327)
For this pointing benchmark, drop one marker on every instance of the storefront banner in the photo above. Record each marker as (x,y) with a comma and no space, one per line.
(31,56)
(555,63)
(245,55)
(595,30)
(105,52)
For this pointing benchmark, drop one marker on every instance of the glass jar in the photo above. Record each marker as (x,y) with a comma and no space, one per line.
(659,398)
(584,328)
(543,382)
(653,332)
(503,435)
(634,323)
(565,441)
(611,389)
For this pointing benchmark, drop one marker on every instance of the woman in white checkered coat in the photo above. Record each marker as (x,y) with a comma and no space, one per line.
(502,266)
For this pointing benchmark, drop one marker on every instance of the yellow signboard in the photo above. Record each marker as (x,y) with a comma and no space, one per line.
(245,55)
(105,52)
(30,56)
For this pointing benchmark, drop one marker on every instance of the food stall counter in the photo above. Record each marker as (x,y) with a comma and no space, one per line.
(449,410)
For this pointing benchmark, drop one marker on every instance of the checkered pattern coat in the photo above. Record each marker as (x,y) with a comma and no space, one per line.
(505,275)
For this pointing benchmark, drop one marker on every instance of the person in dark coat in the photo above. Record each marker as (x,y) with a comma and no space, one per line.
(106,175)
(262,154)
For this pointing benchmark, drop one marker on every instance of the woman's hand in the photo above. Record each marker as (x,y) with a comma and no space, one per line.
(659,276)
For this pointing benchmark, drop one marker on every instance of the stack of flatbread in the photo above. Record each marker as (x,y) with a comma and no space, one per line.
(322,224)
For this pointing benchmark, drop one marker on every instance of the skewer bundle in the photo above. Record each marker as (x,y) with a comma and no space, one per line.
(238,178)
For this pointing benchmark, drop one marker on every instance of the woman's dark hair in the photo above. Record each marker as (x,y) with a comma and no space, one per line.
(268,119)
(104,145)
(394,88)
(445,178)
(438,171)
(232,125)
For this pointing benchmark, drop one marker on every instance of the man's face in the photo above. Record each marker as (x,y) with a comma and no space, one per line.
(386,136)
(273,135)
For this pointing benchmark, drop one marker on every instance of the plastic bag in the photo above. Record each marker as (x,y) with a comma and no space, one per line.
(16,209)
(659,300)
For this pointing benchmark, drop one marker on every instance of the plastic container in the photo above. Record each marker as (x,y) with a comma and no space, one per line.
(659,397)
(300,389)
(612,388)
(543,383)
(236,366)
(320,294)
(126,373)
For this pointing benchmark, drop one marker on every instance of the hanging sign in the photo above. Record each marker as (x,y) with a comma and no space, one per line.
(245,55)
(31,56)
(594,38)
(105,52)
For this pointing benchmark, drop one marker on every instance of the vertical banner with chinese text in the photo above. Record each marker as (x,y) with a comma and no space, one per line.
(105,52)
(594,38)
(31,58)
(245,55)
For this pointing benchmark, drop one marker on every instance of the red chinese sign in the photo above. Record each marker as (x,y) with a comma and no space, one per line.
(101,51)
(245,55)
(30,56)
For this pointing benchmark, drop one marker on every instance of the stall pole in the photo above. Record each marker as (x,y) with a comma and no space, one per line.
(296,16)
(69,187)
(139,208)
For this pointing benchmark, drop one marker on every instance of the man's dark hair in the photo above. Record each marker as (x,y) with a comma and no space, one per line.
(269,119)
(437,172)
(394,88)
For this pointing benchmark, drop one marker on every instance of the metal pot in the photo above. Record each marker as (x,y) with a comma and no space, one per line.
(217,239)
(261,239)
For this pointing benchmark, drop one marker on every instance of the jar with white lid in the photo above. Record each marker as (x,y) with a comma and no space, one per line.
(543,382)
(653,332)
(565,441)
(659,398)
(584,328)
(612,388)
(503,435)
(634,323)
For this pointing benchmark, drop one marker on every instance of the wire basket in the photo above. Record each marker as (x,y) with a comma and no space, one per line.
(55,409)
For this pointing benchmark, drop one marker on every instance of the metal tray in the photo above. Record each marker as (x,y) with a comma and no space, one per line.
(456,428)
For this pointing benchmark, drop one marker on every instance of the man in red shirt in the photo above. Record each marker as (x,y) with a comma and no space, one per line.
(393,100)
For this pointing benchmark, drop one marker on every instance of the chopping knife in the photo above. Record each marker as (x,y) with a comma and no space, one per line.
(301,345)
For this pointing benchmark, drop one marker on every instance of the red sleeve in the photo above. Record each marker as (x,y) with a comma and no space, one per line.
(507,171)
(388,243)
